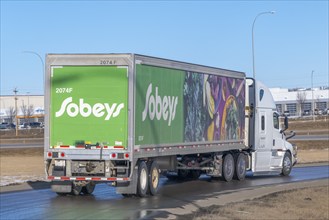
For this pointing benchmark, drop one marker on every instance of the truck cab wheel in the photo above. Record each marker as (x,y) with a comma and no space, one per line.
(240,167)
(286,164)
(228,168)
(154,177)
(142,183)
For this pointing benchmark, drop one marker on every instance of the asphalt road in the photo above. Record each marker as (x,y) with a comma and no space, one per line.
(311,137)
(106,204)
(32,145)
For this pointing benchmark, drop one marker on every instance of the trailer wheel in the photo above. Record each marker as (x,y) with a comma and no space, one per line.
(286,164)
(240,167)
(228,168)
(76,189)
(89,188)
(154,177)
(142,184)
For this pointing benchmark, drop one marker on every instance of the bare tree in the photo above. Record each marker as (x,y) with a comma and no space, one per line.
(301,98)
(27,112)
(11,114)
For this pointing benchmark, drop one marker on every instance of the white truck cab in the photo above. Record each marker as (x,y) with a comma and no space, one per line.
(270,151)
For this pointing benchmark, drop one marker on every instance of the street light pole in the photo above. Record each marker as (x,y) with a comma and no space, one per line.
(253,50)
(312,95)
(28,106)
(16,119)
(42,62)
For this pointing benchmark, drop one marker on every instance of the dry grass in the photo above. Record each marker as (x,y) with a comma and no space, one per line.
(319,124)
(311,145)
(24,133)
(313,156)
(309,203)
(23,152)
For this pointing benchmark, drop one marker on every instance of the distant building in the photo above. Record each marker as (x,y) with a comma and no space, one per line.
(30,108)
(301,102)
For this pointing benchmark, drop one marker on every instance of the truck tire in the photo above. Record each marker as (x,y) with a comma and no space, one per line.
(76,189)
(286,164)
(142,183)
(228,168)
(240,167)
(89,188)
(154,177)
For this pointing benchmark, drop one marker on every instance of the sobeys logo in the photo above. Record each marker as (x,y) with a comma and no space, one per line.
(85,109)
(158,107)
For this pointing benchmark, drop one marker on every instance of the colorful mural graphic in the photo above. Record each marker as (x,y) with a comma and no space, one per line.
(214,107)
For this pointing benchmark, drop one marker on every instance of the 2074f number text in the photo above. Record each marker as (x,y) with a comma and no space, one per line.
(64,90)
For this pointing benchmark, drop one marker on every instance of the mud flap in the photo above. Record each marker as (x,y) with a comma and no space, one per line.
(129,187)
(61,186)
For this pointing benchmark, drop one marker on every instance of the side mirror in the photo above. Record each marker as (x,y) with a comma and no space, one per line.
(285,124)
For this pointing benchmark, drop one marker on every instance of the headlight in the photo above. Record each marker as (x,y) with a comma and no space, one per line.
(294,149)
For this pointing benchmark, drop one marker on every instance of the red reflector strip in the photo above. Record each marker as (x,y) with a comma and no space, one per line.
(65,178)
(118,147)
(80,146)
(64,146)
(88,178)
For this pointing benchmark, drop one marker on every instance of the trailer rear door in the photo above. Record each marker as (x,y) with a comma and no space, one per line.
(88,106)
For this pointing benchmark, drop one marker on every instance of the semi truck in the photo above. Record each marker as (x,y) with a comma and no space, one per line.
(126,119)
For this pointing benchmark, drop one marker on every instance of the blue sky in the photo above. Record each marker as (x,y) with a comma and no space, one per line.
(288,44)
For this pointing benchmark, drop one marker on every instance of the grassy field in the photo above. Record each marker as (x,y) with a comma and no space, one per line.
(307,203)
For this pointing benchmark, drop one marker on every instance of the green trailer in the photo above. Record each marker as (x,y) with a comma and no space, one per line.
(126,118)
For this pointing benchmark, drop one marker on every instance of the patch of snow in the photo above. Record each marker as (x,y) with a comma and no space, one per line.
(12,180)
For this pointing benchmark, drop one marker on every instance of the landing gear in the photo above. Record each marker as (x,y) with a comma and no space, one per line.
(189,174)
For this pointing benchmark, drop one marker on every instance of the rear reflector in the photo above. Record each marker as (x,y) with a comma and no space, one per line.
(118,147)
(65,146)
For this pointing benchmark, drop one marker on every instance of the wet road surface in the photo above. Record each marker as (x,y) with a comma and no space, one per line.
(106,204)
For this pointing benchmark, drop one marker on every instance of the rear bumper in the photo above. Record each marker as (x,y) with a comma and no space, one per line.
(80,178)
